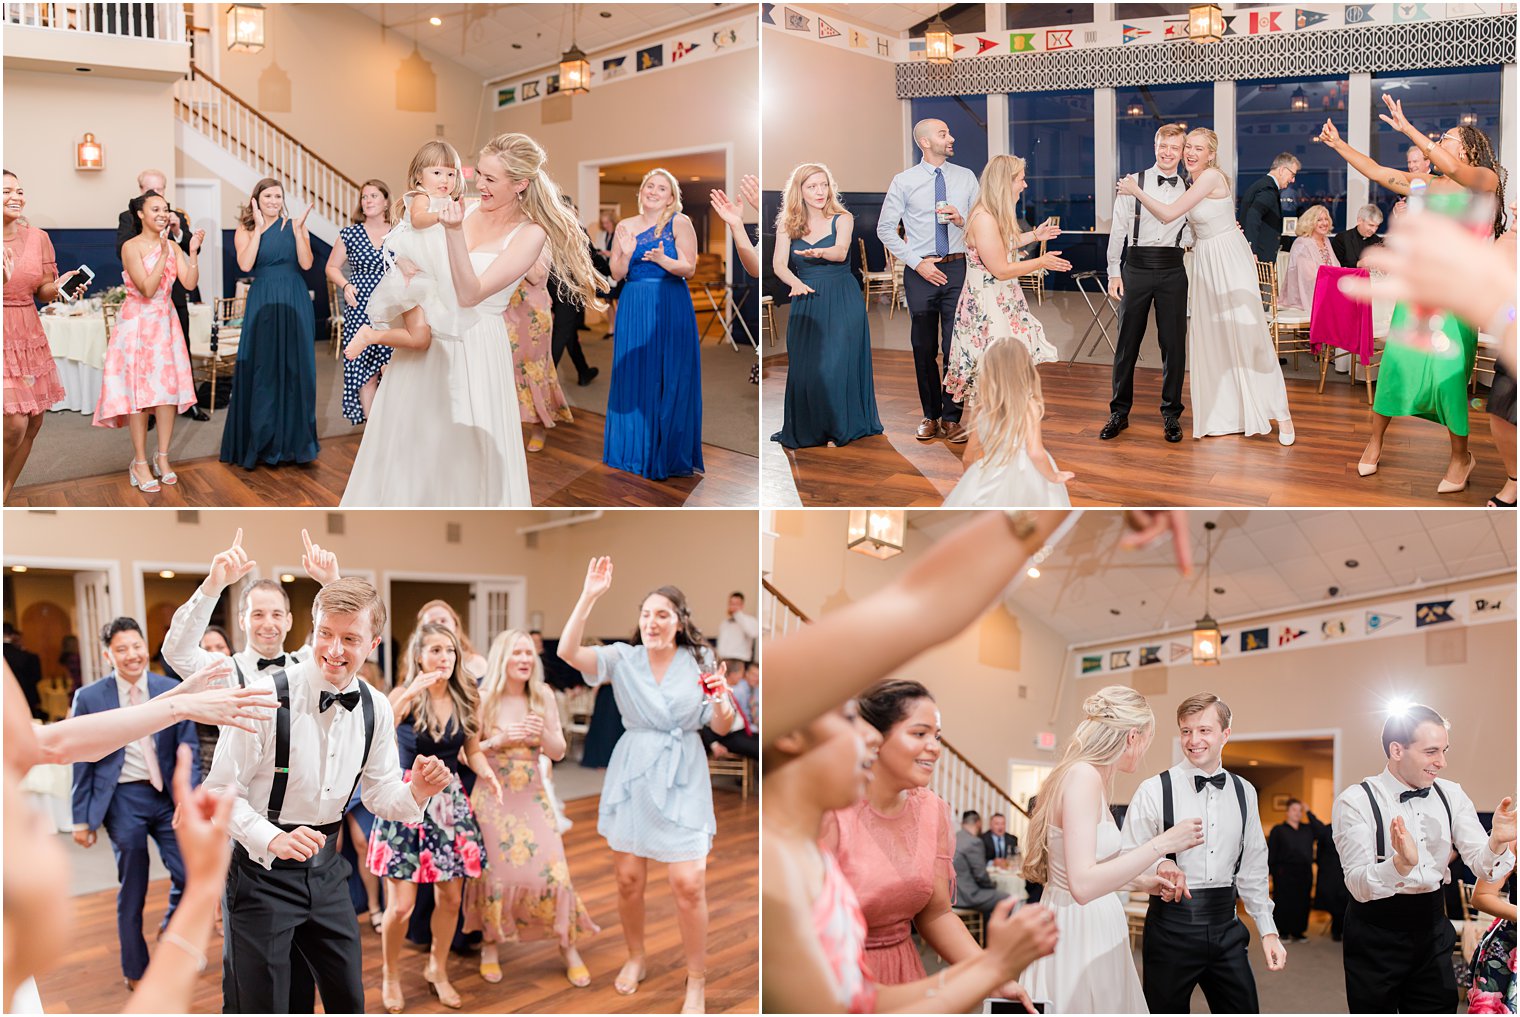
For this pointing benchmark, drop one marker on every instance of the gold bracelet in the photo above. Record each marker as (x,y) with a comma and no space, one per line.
(1022,522)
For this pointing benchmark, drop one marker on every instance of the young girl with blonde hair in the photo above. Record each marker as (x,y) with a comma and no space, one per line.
(1007,463)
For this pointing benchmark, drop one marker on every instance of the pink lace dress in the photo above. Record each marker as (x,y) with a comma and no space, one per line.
(894,864)
(841,930)
(32,384)
(146,363)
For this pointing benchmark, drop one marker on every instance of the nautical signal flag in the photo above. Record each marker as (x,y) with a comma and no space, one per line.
(1091,664)
(1021,42)
(796,22)
(1132,33)
(1432,612)
(1118,660)
(680,49)
(1333,628)
(765,13)
(859,40)
(1255,639)
(649,59)
(1377,620)
(1058,38)
(1150,655)
(1358,14)
(826,30)
(1265,21)
(1289,634)
(983,45)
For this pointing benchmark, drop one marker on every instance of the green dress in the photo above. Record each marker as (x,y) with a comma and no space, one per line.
(1422,383)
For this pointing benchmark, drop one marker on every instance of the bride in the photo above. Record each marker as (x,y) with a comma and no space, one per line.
(1234,378)
(1073,848)
(441,432)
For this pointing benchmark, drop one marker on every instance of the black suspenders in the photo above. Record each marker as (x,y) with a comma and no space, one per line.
(282,741)
(1168,819)
(1377,819)
(238,669)
(1134,235)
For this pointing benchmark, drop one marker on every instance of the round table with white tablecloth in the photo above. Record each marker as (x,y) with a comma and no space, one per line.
(1008,880)
(78,342)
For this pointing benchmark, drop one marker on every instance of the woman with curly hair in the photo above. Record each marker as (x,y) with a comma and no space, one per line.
(524,893)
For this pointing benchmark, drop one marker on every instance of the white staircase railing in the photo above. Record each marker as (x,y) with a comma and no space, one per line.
(234,126)
(956,779)
(164,22)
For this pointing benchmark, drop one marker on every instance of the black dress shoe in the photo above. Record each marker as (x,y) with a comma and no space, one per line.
(1173,428)
(588,377)
(1116,423)
(196,413)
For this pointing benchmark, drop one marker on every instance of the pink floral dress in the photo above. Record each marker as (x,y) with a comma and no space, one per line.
(530,324)
(32,384)
(990,308)
(146,362)
(841,928)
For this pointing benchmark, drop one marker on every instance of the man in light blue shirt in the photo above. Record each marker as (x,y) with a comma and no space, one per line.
(931,201)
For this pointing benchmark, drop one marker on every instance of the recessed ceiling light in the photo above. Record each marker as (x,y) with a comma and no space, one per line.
(435,21)
(1252,762)
(1219,591)
(605,14)
(1033,572)
(1113,610)
(694,179)
(1352,563)
(601,173)
(517,45)
(166,574)
(287,578)
(18,568)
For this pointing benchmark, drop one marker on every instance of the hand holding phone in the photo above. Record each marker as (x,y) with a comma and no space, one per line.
(72,284)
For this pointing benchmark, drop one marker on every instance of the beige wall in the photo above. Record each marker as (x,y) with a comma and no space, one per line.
(832,106)
(980,705)
(707,554)
(47,114)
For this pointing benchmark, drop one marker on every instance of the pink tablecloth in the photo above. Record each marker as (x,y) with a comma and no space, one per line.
(1336,319)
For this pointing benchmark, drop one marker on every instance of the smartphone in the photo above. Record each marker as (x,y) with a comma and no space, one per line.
(996,1004)
(83,276)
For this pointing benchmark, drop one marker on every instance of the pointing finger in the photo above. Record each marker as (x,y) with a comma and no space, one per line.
(237,541)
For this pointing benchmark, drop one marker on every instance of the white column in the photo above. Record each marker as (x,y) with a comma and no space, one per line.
(1359,137)
(1508,142)
(1105,157)
(998,140)
(1224,126)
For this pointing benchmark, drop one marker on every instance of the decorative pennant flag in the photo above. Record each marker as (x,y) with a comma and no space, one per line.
(680,49)
(1485,605)
(1021,42)
(1118,660)
(1180,650)
(1377,621)
(796,22)
(1058,38)
(1092,664)
(613,67)
(1333,628)
(649,59)
(506,96)
(1265,21)
(1229,24)
(765,14)
(918,45)
(859,40)
(725,37)
(1132,33)
(883,47)
(826,30)
(1409,12)
(1432,612)
(1303,19)
(529,90)
(1255,639)
(1359,14)
(551,84)
(1289,634)
(1150,655)
(1176,28)
(983,45)
(958,48)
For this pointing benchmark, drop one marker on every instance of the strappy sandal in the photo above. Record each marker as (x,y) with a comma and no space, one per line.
(145,486)
(171,478)
(1497,502)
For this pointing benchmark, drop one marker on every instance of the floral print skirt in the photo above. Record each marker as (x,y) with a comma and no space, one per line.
(1493,971)
(445,845)
(525,892)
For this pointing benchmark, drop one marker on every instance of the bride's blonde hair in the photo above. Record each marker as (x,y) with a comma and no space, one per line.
(1109,715)
(569,253)
(1213,163)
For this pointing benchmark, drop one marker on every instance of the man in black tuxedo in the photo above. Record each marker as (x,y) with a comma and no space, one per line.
(570,317)
(1260,211)
(1349,245)
(999,842)
(27,667)
(127,226)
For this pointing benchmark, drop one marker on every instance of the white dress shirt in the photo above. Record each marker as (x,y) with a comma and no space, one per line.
(325,756)
(1153,232)
(1211,863)
(133,766)
(736,637)
(182,644)
(910,200)
(1369,878)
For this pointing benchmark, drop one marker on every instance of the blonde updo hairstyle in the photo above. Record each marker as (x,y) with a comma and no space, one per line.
(523,159)
(1109,715)
(1213,163)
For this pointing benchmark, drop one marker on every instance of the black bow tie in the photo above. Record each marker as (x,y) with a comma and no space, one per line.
(271,662)
(1404,796)
(347,700)
(1217,780)
(1168,180)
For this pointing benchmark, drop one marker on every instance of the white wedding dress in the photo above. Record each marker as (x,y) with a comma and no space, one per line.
(445,431)
(1234,379)
(1092,969)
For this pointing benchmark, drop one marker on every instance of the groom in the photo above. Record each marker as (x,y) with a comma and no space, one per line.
(1152,274)
(1192,934)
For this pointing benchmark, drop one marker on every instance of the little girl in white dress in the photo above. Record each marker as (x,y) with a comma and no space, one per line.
(1009,467)
(415,297)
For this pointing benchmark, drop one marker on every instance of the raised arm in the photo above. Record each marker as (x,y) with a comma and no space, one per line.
(733,214)
(181,646)
(1396,180)
(189,261)
(1173,210)
(598,581)
(304,257)
(1474,178)
(506,268)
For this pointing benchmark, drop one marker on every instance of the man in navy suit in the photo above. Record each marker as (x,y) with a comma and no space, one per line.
(128,791)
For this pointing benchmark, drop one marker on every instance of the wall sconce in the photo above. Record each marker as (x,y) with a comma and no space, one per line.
(939,42)
(1134,110)
(89,154)
(1206,635)
(1300,100)
(245,28)
(1205,23)
(1468,120)
(877,533)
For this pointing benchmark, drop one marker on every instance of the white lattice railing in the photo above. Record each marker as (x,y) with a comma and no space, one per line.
(243,132)
(164,22)
(956,779)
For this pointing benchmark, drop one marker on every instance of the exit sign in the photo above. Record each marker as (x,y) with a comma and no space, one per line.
(1045,741)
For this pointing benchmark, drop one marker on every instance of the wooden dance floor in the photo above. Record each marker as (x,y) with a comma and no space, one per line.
(88,980)
(1138,468)
(567,473)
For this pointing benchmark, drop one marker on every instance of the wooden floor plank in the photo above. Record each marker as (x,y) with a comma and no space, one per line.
(1138,468)
(87,980)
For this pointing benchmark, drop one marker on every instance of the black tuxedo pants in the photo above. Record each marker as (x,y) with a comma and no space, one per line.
(1214,956)
(1167,290)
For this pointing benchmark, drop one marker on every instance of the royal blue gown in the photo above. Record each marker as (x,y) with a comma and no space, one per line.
(654,407)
